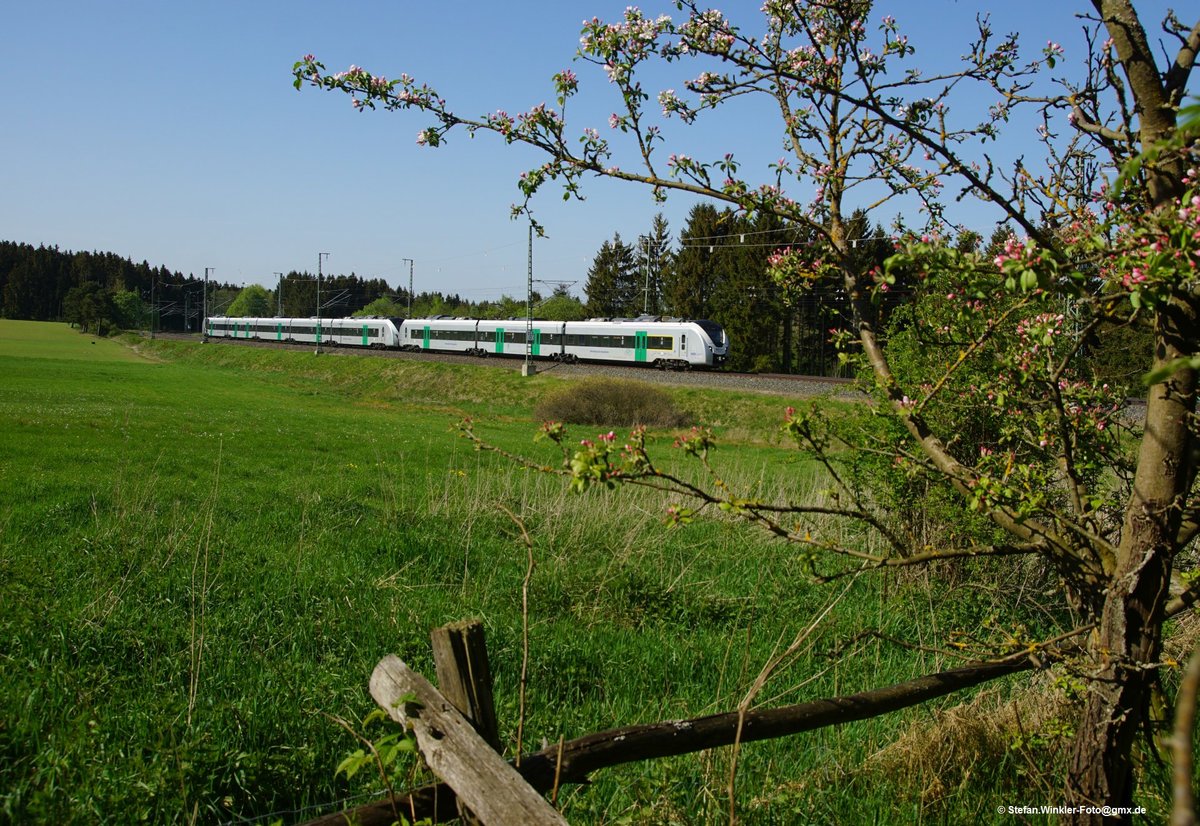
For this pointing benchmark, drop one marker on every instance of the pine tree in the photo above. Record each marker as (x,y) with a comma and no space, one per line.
(689,285)
(612,285)
(654,259)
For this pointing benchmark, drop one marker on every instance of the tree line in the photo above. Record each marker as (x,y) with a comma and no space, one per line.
(102,291)
(94,289)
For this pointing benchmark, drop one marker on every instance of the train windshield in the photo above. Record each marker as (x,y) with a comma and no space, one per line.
(714,331)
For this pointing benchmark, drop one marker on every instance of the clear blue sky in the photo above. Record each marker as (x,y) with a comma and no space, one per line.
(170,132)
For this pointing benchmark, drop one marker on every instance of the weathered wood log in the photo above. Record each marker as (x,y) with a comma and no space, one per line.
(642,742)
(482,780)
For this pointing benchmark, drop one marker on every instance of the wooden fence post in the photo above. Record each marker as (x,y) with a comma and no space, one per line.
(464,676)
(465,679)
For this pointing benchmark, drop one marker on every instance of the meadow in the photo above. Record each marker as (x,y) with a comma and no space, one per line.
(205,549)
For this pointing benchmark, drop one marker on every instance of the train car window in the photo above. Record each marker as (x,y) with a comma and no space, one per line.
(450,335)
(714,330)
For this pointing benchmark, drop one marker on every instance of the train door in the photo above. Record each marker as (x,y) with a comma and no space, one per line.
(683,345)
(364,335)
(536,348)
(499,339)
(425,339)
(639,346)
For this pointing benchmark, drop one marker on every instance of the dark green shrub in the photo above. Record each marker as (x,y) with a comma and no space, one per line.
(612,402)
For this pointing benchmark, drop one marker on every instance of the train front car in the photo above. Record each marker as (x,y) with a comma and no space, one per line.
(715,343)
(667,343)
(371,332)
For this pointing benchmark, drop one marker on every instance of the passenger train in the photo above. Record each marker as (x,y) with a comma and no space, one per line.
(668,343)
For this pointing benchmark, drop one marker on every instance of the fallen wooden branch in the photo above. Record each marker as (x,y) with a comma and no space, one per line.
(629,744)
(482,780)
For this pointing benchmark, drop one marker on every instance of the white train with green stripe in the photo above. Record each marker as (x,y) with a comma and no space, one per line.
(379,333)
(668,343)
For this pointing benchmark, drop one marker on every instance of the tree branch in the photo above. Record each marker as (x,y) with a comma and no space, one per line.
(1175,81)
(1183,811)
(939,556)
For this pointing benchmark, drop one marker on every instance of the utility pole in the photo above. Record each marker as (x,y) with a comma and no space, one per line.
(645,239)
(528,369)
(153,305)
(319,255)
(279,297)
(204,323)
(410,284)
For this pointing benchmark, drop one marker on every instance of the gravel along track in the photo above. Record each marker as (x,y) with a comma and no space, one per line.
(780,385)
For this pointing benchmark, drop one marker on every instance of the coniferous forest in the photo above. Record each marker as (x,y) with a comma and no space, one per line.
(101,291)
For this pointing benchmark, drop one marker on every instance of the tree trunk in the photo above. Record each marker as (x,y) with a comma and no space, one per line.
(1125,646)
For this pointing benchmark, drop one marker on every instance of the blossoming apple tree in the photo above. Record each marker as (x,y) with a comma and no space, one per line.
(1105,232)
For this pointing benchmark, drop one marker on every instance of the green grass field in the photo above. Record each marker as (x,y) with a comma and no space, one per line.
(37,340)
(204,550)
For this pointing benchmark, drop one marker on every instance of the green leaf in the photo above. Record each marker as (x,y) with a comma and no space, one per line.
(1169,369)
(352,764)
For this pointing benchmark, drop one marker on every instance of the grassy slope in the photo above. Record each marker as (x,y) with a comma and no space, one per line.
(37,340)
(204,552)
